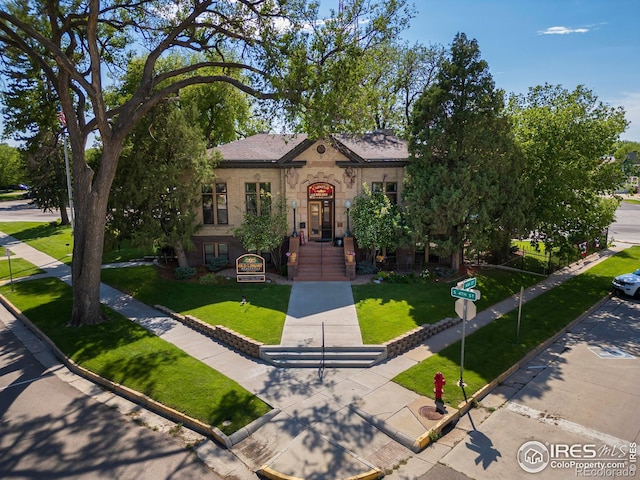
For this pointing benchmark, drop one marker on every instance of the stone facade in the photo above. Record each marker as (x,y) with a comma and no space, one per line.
(321,176)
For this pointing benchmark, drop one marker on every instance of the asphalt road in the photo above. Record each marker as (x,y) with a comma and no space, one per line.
(626,228)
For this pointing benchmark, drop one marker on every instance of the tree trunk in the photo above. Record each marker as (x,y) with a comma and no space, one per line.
(90,201)
(64,216)
(181,255)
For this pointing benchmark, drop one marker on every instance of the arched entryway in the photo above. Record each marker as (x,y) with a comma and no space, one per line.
(321,205)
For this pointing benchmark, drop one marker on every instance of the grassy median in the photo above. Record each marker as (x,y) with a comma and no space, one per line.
(493,349)
(126,353)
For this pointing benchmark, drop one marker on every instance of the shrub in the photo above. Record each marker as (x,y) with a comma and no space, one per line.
(217,264)
(365,268)
(211,279)
(184,273)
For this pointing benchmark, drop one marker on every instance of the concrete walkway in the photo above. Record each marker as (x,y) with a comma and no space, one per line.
(317,435)
(321,310)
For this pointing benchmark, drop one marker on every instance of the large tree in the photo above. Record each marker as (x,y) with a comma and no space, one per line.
(160,209)
(463,175)
(565,137)
(77,45)
(396,75)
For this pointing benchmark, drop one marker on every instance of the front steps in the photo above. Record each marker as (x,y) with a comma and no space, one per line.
(313,357)
(321,261)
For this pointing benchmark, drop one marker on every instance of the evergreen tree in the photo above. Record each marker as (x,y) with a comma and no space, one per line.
(463,175)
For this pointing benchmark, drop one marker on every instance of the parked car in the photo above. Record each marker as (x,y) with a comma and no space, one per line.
(629,283)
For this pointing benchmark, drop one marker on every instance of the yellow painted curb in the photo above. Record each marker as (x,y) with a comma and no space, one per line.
(272,474)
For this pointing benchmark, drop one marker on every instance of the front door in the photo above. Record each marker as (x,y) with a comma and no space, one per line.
(321,220)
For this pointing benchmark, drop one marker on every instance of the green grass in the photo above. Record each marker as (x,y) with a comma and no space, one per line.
(19,267)
(12,195)
(126,353)
(57,241)
(493,349)
(262,318)
(51,238)
(386,311)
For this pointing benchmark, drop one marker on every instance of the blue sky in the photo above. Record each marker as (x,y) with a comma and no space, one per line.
(532,42)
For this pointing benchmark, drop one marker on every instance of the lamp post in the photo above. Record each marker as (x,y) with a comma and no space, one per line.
(348,205)
(294,205)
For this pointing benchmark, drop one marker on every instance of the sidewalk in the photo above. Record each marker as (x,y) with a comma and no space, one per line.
(317,433)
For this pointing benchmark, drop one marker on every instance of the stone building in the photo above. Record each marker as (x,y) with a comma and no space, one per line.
(320,178)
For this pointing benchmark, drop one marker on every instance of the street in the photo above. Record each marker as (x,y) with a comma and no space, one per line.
(577,397)
(51,428)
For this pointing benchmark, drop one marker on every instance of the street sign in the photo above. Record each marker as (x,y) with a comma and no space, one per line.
(472,295)
(468,283)
(471,309)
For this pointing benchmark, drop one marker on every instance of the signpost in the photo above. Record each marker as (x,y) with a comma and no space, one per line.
(466,309)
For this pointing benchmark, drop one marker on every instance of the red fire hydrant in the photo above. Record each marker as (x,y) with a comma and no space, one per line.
(439,382)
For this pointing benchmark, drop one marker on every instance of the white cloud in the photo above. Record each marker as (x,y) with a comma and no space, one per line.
(562,31)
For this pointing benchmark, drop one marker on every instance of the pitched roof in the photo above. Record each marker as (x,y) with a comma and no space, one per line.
(267,148)
(263,147)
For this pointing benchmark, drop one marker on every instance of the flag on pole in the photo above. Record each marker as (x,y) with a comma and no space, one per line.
(61,118)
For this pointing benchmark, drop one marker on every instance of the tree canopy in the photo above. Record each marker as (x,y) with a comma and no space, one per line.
(566,137)
(11,170)
(280,48)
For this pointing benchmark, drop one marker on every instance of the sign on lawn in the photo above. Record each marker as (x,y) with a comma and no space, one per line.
(250,268)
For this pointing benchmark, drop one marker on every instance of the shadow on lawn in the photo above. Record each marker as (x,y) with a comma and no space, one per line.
(42,231)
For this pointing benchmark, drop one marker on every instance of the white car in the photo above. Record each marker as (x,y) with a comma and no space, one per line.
(628,283)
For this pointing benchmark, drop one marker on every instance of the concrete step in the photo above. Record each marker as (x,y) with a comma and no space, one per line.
(323,278)
(313,357)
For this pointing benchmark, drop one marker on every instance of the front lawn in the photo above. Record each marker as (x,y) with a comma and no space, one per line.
(386,311)
(51,238)
(126,353)
(261,318)
(493,349)
(19,267)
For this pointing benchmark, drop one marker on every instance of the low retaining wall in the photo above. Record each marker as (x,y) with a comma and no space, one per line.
(415,337)
(233,339)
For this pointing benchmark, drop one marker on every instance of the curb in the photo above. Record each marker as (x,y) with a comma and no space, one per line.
(212,432)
